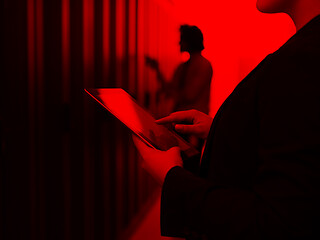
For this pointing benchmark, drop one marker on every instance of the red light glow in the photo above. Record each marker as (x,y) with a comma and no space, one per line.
(236,38)
(88,38)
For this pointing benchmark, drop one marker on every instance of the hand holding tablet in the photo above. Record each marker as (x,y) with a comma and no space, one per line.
(139,121)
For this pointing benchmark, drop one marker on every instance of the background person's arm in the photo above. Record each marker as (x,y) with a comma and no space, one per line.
(169,87)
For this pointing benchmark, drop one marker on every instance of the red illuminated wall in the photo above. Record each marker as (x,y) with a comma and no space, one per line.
(237,37)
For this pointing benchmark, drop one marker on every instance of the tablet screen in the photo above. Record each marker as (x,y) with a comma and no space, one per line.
(124,107)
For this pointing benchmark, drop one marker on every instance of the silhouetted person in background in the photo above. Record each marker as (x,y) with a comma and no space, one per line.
(260,171)
(189,87)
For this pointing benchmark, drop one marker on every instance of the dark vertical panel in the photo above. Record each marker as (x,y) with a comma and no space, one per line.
(112,42)
(53,113)
(32,113)
(65,38)
(89,121)
(15,179)
(108,158)
(105,131)
(2,19)
(106,21)
(76,120)
(40,118)
(109,130)
(99,217)
(119,178)
(107,122)
(98,43)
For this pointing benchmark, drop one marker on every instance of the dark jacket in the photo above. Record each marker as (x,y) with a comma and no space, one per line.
(260,172)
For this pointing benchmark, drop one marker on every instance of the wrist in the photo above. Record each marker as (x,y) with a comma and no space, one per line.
(175,162)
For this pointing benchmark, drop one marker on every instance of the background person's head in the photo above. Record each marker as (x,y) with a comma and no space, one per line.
(191,39)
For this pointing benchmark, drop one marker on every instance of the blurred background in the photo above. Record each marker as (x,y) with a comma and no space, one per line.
(68,168)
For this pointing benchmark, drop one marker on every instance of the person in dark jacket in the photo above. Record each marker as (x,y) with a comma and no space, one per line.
(260,172)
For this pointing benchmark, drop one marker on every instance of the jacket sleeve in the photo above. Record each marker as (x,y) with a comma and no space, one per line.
(192,206)
(284,201)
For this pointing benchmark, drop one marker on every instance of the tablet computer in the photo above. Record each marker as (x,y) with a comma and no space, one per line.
(124,107)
